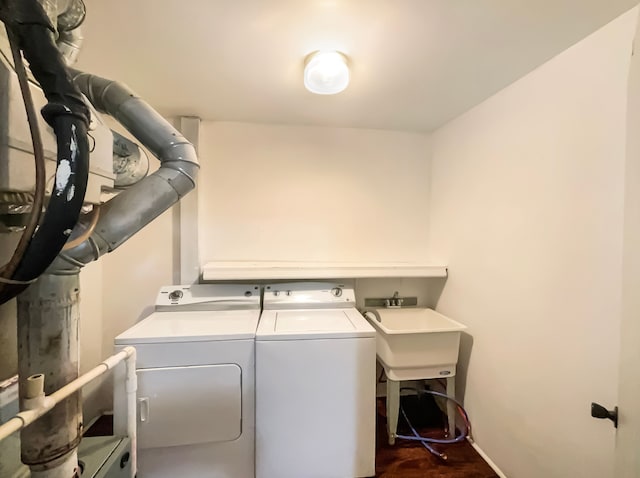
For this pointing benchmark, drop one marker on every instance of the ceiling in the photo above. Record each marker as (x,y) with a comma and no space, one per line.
(415,64)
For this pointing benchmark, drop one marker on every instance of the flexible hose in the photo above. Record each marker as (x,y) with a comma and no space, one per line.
(38,198)
(68,115)
(426,442)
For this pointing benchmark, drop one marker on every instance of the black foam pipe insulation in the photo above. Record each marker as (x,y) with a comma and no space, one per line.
(68,116)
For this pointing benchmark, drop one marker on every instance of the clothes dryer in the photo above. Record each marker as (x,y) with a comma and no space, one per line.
(196,382)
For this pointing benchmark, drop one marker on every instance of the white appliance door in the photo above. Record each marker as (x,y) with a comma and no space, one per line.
(188,405)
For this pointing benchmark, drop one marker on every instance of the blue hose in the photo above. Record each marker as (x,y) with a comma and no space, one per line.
(427,441)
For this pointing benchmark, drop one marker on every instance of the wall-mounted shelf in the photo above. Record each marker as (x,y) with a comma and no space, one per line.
(258,270)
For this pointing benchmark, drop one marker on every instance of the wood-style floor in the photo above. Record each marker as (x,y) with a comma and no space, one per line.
(408,459)
(405,459)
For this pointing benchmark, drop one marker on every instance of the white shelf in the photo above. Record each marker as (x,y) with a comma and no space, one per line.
(258,270)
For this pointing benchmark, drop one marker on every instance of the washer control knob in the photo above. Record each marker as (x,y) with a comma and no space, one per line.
(176,294)
(276,293)
(336,292)
(288,292)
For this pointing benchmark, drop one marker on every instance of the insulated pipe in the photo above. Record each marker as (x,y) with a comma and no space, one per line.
(66,468)
(131,210)
(48,335)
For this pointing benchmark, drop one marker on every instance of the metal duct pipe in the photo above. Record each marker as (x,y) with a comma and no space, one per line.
(130,162)
(69,44)
(48,333)
(131,210)
(70,16)
(66,16)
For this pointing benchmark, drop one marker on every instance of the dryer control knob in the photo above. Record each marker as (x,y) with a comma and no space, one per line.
(336,291)
(176,294)
(276,293)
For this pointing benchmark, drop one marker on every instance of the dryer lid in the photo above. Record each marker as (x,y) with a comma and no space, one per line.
(196,326)
(305,324)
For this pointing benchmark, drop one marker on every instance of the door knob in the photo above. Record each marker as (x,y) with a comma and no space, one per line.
(598,411)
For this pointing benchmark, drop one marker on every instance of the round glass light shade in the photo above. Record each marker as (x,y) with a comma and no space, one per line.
(326,73)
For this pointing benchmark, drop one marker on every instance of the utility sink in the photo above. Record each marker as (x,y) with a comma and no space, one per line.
(415,343)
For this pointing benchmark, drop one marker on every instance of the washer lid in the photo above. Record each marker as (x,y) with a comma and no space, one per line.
(305,324)
(196,326)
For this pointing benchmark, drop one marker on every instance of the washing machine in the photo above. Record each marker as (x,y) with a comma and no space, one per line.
(196,382)
(315,384)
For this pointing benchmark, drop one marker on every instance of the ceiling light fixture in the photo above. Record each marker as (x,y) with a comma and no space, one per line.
(326,72)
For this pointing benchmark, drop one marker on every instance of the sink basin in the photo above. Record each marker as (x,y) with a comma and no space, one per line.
(415,343)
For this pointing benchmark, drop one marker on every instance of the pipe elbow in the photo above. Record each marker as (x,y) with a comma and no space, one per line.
(128,212)
(181,159)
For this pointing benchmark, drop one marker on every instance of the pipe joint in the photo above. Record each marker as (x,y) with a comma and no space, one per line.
(105,95)
(177,178)
(180,151)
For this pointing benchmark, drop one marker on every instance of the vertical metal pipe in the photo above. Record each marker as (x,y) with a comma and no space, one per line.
(48,333)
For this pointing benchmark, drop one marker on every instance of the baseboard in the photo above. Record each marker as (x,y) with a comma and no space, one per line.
(486,458)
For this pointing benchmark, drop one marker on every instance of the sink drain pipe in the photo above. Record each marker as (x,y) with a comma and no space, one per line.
(428,442)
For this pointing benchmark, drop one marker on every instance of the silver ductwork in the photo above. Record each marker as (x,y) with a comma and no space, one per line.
(48,313)
(69,44)
(50,305)
(130,162)
(66,16)
(132,209)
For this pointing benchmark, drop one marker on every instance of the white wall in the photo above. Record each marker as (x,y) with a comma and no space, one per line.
(309,193)
(527,211)
(280,193)
(628,436)
(133,274)
(283,193)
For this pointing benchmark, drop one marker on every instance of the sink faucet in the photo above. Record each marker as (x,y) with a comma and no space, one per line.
(395,301)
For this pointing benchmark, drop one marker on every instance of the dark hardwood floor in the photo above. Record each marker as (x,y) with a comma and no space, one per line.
(405,459)
(408,459)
